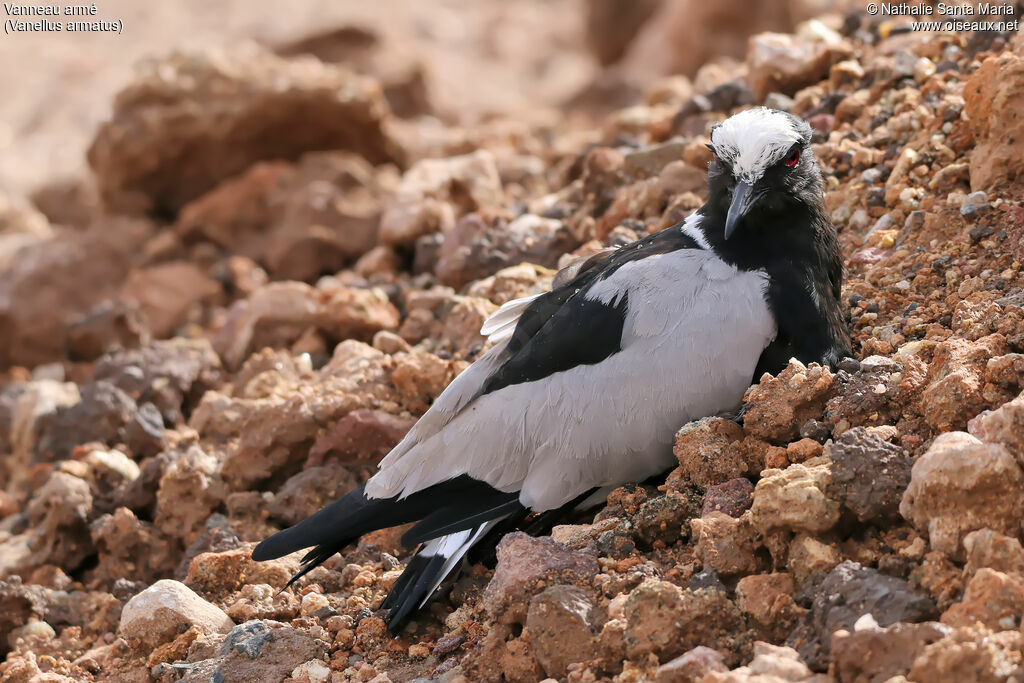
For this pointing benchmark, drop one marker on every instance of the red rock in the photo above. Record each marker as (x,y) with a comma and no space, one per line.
(992,598)
(778,406)
(783,63)
(732,497)
(767,602)
(526,566)
(706,452)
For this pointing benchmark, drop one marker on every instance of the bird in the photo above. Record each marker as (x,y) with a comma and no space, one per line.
(587,383)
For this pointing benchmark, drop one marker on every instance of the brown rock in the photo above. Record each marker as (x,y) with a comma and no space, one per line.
(993,99)
(167,293)
(309,491)
(960,485)
(476,248)
(563,624)
(130,547)
(848,593)
(778,406)
(873,654)
(970,654)
(38,301)
(190,489)
(362,437)
(171,375)
(808,555)
(525,566)
(221,573)
(733,497)
(1004,425)
(666,621)
(726,544)
(165,609)
(108,326)
(993,550)
(58,517)
(706,453)
(434,193)
(766,600)
(778,62)
(992,598)
(191,120)
(957,370)
(691,666)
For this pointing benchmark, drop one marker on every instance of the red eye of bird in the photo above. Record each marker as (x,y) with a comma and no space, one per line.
(792,158)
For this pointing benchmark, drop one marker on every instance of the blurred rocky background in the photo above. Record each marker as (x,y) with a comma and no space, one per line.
(244,245)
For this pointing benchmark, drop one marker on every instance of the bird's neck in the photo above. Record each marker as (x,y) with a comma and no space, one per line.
(775,240)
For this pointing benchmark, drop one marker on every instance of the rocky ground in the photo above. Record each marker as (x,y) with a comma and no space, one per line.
(280,258)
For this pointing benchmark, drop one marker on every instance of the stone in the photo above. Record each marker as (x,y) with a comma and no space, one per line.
(666,621)
(808,556)
(58,518)
(991,598)
(706,453)
(725,544)
(869,475)
(39,303)
(168,294)
(797,498)
(733,497)
(955,392)
(665,518)
(310,490)
(526,566)
(476,248)
(961,485)
(171,375)
(777,406)
(165,609)
(992,98)
(848,593)
(766,600)
(434,193)
(1004,425)
(361,437)
(993,550)
(778,62)
(128,546)
(691,666)
(191,120)
(255,650)
(563,623)
(873,394)
(871,653)
(189,490)
(970,654)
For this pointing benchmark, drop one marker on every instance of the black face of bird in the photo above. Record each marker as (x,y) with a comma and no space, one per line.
(763,165)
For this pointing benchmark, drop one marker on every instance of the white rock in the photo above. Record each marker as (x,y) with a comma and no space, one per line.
(165,609)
